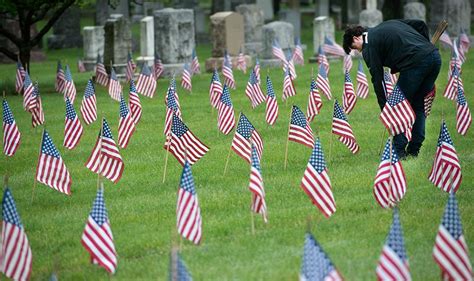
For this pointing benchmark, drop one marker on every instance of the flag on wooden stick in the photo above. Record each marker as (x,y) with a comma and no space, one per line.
(300,131)
(11,134)
(89,104)
(244,136)
(271,111)
(342,128)
(72,127)
(256,186)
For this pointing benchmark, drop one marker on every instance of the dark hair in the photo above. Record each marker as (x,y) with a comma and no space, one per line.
(351,31)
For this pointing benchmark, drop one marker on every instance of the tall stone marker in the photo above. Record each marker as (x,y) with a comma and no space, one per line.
(414,10)
(456,12)
(279,31)
(93,45)
(253,23)
(267,8)
(370,17)
(322,27)
(67,30)
(147,41)
(118,43)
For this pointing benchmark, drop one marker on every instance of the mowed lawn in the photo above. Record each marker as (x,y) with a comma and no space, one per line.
(142,209)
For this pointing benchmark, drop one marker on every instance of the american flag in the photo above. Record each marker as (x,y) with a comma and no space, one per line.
(332,48)
(444,38)
(453,83)
(115,88)
(393,77)
(314,101)
(322,59)
(225,112)
(253,91)
(323,82)
(28,89)
(134,103)
(130,68)
(455,61)
(256,68)
(289,64)
(146,83)
(101,76)
(300,131)
(60,79)
(347,65)
(195,67)
(72,127)
(186,78)
(349,97)
(188,212)
(241,63)
(51,169)
(463,114)
(15,255)
(158,67)
(459,51)
(393,262)
(446,170)
(105,158)
(172,108)
(390,182)
(20,76)
(37,113)
(227,72)
(316,264)
(277,51)
(298,57)
(126,124)
(288,87)
(244,137)
(97,237)
(388,83)
(183,144)
(428,101)
(316,183)
(177,270)
(80,66)
(464,41)
(89,104)
(69,87)
(11,134)
(271,111)
(256,186)
(342,128)
(362,83)
(450,251)
(215,89)
(397,115)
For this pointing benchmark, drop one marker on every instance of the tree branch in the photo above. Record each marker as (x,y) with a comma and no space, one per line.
(8,53)
(41,13)
(10,36)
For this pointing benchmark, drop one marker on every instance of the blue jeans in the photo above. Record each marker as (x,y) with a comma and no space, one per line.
(416,83)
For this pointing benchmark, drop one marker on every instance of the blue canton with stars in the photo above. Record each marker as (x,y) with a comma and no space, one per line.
(226,60)
(68,75)
(270,91)
(9,212)
(386,153)
(48,147)
(386,77)
(316,265)
(348,77)
(328,41)
(461,98)
(253,78)
(182,273)
(36,91)
(178,127)
(225,97)
(215,77)
(313,86)
(113,76)
(106,130)
(187,181)
(70,112)
(27,81)
(133,89)
(245,128)
(7,113)
(317,157)
(395,237)
(171,100)
(89,91)
(255,160)
(123,108)
(451,219)
(396,97)
(321,51)
(298,118)
(322,71)
(172,83)
(361,67)
(455,72)
(338,112)
(99,212)
(146,70)
(444,136)
(60,67)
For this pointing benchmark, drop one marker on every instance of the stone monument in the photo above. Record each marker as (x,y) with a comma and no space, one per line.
(267,8)
(292,16)
(281,32)
(67,30)
(253,23)
(354,7)
(370,17)
(93,45)
(456,12)
(322,27)
(147,41)
(414,10)
(118,43)
(322,8)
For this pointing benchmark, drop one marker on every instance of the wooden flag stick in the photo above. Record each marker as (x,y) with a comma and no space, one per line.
(287,140)
(439,31)
(227,161)
(39,155)
(381,142)
(166,159)
(100,154)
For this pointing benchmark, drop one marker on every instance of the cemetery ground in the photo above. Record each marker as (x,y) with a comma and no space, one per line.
(142,209)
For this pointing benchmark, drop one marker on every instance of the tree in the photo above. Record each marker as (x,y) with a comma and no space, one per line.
(27,13)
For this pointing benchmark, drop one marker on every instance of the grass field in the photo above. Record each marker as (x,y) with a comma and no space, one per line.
(142,209)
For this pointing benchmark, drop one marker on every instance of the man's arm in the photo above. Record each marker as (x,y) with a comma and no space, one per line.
(376,71)
(419,26)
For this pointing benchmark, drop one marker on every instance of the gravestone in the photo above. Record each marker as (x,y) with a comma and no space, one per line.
(322,8)
(370,17)
(354,7)
(105,8)
(202,36)
(253,23)
(67,30)
(147,41)
(267,8)
(456,12)
(414,10)
(322,27)
(93,45)
(292,16)
(118,43)
(174,38)
(279,31)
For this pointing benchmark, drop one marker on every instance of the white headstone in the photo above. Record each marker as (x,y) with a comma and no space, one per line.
(147,40)
(93,37)
(322,27)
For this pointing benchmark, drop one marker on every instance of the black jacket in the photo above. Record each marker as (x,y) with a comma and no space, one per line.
(398,44)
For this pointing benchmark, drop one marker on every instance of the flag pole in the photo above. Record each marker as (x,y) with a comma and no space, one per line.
(287,140)
(331,140)
(34,183)
(390,170)
(381,142)
(100,152)
(166,157)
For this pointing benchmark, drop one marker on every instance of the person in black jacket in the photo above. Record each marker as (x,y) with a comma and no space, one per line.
(404,47)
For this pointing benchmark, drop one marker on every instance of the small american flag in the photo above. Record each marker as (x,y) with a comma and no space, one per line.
(105,158)
(298,57)
(37,113)
(241,63)
(80,66)
(134,103)
(314,101)
(323,82)
(186,78)
(89,104)
(454,61)
(188,212)
(349,97)
(463,114)
(195,67)
(225,112)
(300,131)
(146,83)
(316,183)
(244,137)
(316,264)
(15,255)
(332,48)
(101,76)
(158,67)
(20,76)
(288,87)
(253,91)
(388,83)
(446,170)
(256,187)
(126,125)
(290,64)
(97,237)
(444,38)
(362,83)
(271,111)
(390,182)
(277,51)
(227,72)
(172,108)
(428,101)
(393,262)
(397,115)
(177,270)
(28,89)
(342,128)
(464,41)
(130,69)
(69,88)
(72,127)
(11,134)
(347,65)
(322,59)
(256,68)
(453,83)
(60,79)
(51,169)
(183,144)
(459,51)
(215,89)
(115,88)
(450,251)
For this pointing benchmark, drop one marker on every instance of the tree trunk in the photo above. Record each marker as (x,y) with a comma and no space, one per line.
(25,56)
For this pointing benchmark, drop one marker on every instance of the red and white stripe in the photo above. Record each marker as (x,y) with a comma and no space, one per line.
(452,87)
(391,267)
(60,84)
(446,170)
(298,55)
(37,113)
(135,105)
(271,111)
(186,79)
(98,241)
(16,258)
(126,125)
(52,172)
(101,76)
(323,85)
(188,213)
(259,205)
(343,129)
(19,79)
(72,131)
(89,106)
(398,119)
(228,76)
(347,65)
(115,89)
(241,63)
(11,134)
(390,184)
(362,85)
(315,102)
(428,101)
(186,148)
(288,87)
(463,118)
(318,188)
(215,91)
(349,97)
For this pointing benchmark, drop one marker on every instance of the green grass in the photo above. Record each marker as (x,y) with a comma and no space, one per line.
(142,209)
